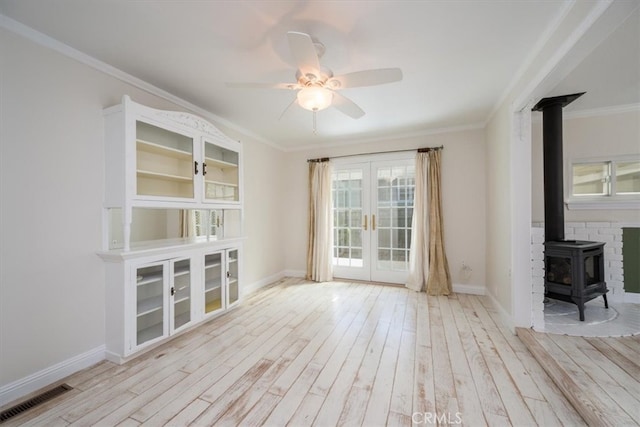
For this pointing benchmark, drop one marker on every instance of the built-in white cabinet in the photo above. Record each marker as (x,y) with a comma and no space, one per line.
(172,225)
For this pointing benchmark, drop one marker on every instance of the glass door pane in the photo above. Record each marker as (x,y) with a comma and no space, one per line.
(149,303)
(372,214)
(232,276)
(213,282)
(164,163)
(393,213)
(221,173)
(181,290)
(351,221)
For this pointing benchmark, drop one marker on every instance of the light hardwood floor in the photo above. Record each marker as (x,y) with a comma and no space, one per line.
(600,376)
(299,353)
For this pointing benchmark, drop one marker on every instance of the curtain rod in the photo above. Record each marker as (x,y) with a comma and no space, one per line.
(419,150)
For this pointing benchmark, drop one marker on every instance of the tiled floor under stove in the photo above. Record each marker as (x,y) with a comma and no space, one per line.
(620,319)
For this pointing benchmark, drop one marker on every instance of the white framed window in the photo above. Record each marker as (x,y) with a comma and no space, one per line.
(604,183)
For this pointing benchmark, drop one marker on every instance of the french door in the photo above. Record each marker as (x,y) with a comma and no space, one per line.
(372,212)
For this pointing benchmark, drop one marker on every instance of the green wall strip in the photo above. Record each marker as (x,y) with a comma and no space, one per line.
(631,259)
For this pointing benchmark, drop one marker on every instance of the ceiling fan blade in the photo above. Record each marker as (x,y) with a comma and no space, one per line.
(304,52)
(292,103)
(346,106)
(366,78)
(290,86)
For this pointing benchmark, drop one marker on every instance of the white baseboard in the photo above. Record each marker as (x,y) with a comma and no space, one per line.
(248,289)
(295,273)
(506,318)
(24,386)
(469,289)
(43,378)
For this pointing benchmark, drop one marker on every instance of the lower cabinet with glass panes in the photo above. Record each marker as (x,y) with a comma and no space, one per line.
(220,281)
(155,292)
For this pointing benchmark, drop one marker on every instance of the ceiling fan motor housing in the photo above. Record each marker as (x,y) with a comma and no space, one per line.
(310,79)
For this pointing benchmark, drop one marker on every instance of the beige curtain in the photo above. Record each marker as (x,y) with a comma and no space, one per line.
(428,264)
(187,223)
(320,229)
(439,282)
(419,253)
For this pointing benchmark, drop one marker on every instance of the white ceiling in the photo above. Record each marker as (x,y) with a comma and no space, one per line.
(610,74)
(458,57)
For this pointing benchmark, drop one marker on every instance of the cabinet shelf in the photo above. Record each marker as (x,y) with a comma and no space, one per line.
(220,164)
(182,294)
(213,305)
(149,305)
(152,147)
(181,299)
(224,184)
(163,176)
(181,271)
(215,264)
(151,278)
(212,285)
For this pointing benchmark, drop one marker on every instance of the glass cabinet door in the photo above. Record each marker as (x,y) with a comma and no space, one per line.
(232,276)
(150,303)
(181,293)
(165,165)
(213,282)
(220,174)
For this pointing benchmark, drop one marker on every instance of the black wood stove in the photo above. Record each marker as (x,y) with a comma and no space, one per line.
(574,269)
(575,272)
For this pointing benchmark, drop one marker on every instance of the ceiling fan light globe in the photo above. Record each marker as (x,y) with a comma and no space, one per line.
(314,98)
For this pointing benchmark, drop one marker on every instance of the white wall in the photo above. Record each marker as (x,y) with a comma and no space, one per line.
(499,201)
(52,166)
(463,194)
(587,137)
(264,171)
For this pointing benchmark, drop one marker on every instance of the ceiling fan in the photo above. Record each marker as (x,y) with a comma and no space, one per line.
(317,86)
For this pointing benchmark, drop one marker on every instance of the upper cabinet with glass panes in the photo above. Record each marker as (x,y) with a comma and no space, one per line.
(169,159)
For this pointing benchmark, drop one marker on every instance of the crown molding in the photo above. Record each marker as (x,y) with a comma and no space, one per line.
(603,111)
(387,137)
(593,112)
(49,42)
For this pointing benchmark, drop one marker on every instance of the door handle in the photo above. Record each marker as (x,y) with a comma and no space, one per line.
(373,222)
(365,223)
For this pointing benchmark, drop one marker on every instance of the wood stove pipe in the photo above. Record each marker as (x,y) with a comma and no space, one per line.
(552,157)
